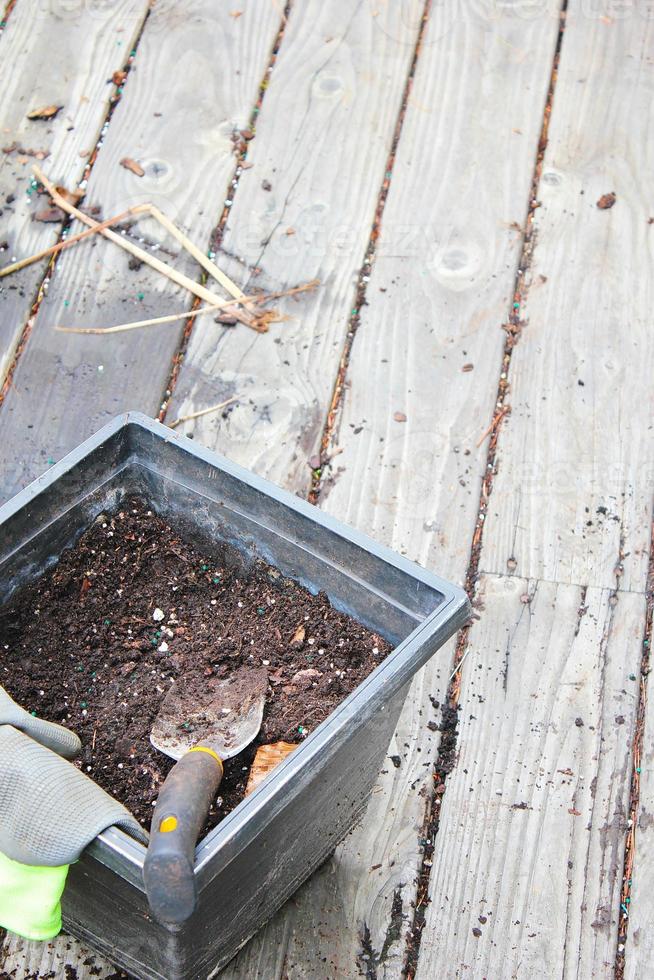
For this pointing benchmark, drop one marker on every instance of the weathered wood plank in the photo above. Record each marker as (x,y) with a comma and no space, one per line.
(401,480)
(303,211)
(430,345)
(573,496)
(199,70)
(52,54)
(56,960)
(570,505)
(639,948)
(528,863)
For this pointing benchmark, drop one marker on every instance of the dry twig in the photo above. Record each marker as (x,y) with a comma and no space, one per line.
(203,411)
(494,424)
(227,304)
(139,253)
(198,255)
(117,218)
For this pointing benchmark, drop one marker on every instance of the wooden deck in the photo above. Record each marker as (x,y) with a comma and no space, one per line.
(475,367)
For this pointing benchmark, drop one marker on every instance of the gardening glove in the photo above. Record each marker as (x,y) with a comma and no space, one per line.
(55,737)
(49,812)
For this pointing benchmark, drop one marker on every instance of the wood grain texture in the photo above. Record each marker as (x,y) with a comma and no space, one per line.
(574,490)
(528,862)
(639,949)
(425,363)
(54,53)
(303,211)
(64,958)
(198,76)
(571,502)
(411,484)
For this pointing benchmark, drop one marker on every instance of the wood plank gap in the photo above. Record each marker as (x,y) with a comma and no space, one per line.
(41,288)
(363,275)
(639,747)
(446,755)
(216,237)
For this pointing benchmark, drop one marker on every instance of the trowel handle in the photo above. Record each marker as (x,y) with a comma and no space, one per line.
(184,801)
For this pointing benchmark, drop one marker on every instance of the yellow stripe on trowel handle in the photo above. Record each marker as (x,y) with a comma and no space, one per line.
(205,748)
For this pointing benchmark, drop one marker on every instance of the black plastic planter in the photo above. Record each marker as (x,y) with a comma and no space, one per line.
(246,867)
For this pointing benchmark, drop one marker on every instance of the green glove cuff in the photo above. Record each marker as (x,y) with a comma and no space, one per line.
(30,898)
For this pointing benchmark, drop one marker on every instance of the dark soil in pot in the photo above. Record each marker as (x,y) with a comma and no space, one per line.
(97,640)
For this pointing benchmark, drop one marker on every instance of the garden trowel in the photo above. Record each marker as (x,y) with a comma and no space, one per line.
(201,723)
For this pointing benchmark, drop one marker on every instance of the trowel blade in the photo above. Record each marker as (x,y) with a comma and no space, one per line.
(224,715)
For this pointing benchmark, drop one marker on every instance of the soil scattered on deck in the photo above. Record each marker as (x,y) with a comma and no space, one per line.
(97,641)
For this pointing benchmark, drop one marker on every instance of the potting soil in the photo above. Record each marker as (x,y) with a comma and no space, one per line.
(96,642)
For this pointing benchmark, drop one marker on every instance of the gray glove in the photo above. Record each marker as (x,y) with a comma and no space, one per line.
(55,737)
(49,810)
